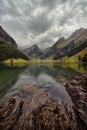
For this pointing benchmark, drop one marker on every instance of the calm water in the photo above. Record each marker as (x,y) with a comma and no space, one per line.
(17,79)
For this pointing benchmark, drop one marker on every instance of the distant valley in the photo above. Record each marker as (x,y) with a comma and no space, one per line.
(71,49)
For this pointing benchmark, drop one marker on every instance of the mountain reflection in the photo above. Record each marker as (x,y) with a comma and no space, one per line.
(38,75)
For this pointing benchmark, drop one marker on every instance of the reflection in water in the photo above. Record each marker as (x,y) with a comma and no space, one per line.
(84,66)
(11,62)
(39,76)
(8,76)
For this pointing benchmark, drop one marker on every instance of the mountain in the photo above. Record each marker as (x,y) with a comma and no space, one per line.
(77,32)
(6,38)
(68,47)
(52,50)
(73,48)
(8,47)
(33,52)
(8,51)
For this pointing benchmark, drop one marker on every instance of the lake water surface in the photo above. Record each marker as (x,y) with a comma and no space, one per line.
(17,79)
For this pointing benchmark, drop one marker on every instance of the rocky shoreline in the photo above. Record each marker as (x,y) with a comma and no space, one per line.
(52,115)
(77,90)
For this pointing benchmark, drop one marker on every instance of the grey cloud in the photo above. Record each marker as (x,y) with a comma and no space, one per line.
(47,41)
(41,19)
(74,13)
(49,3)
(52,3)
(40,24)
(11,9)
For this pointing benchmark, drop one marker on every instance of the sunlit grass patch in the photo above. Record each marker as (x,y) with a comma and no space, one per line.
(16,60)
(75,58)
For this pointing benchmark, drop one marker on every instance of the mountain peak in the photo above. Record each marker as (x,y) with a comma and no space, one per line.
(77,32)
(33,52)
(35,46)
(60,39)
(1,27)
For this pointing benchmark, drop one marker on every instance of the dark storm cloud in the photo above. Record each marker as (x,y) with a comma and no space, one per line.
(42,21)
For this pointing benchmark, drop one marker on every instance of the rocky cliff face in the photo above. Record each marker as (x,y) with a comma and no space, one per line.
(71,49)
(53,50)
(63,47)
(4,37)
(70,46)
(33,52)
(77,32)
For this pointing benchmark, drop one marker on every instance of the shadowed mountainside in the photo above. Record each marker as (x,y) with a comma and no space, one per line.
(8,51)
(8,47)
(33,52)
(5,37)
(69,47)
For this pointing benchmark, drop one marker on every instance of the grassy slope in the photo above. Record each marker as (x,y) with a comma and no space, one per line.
(73,59)
(8,51)
(19,60)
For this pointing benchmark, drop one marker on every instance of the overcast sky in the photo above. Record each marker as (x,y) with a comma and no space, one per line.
(42,22)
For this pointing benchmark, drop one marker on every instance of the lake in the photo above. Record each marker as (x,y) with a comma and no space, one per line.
(25,79)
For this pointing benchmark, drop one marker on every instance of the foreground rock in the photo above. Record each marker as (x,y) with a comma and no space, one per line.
(77,89)
(5,37)
(39,114)
(52,116)
(10,113)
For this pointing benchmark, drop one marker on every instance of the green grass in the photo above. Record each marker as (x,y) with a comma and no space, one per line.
(75,57)
(8,51)
(19,60)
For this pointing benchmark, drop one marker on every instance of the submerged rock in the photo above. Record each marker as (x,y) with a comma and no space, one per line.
(53,115)
(77,90)
(10,113)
